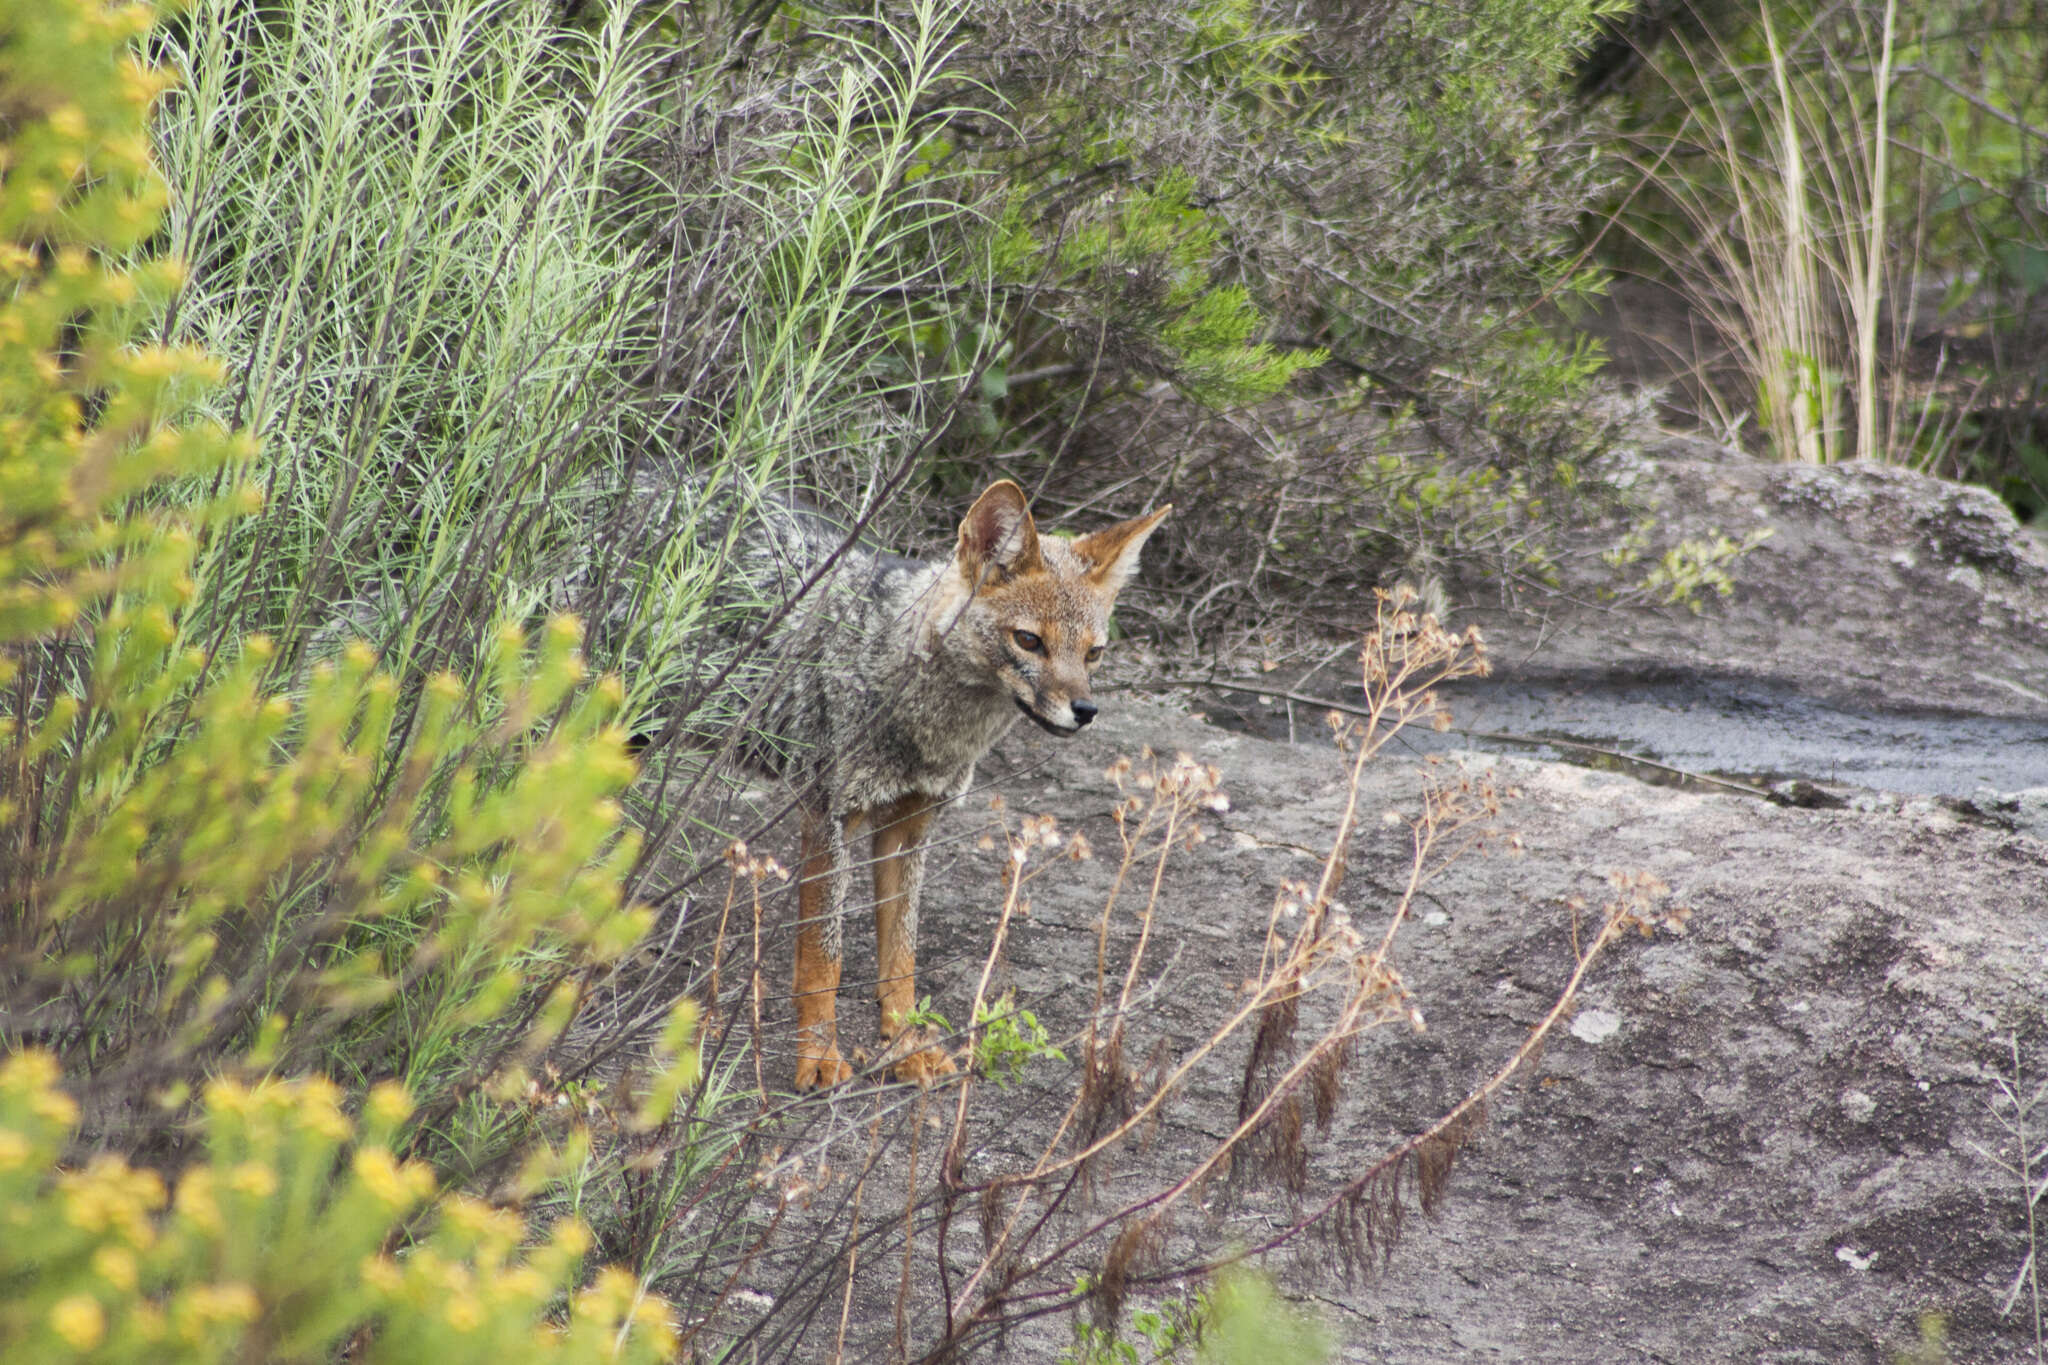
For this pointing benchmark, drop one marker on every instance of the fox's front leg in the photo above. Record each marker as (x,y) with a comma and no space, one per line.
(899,876)
(827,876)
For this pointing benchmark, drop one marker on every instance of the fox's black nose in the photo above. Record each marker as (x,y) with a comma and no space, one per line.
(1084,711)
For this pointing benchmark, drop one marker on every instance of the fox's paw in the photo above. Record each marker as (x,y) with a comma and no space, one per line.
(915,1055)
(819,1073)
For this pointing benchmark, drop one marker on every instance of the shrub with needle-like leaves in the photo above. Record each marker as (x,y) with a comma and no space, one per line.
(214,871)
(277,1246)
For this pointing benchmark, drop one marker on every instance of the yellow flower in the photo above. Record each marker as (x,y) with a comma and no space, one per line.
(222,1302)
(116,1265)
(195,1201)
(521,1285)
(68,120)
(380,1174)
(78,1322)
(253,1178)
(382,1274)
(482,1223)
(54,1106)
(15,1150)
(610,1293)
(140,84)
(388,1104)
(464,1314)
(154,362)
(572,1238)
(237,1301)
(321,1115)
(33,1069)
(651,1315)
(132,21)
(203,1305)
(227,1097)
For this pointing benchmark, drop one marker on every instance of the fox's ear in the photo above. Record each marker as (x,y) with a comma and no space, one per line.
(997,533)
(1112,553)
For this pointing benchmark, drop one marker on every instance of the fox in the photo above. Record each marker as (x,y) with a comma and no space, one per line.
(894,677)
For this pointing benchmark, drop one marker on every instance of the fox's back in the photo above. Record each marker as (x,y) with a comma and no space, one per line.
(875,676)
(839,689)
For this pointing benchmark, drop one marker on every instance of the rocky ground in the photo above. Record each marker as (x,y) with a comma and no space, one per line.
(1774,1137)
(1877,586)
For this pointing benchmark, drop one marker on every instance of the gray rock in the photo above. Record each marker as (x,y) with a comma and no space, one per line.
(1758,1141)
(1765,1139)
(1878,587)
(1768,1139)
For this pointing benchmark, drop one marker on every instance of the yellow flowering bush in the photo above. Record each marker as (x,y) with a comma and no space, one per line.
(220,865)
(261,1252)
(87,409)
(215,858)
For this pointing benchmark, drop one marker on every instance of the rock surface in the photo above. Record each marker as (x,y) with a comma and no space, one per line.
(1771,1138)
(1877,587)
(1758,1141)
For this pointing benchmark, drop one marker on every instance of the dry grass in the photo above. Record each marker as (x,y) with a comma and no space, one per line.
(1790,246)
(2024,1160)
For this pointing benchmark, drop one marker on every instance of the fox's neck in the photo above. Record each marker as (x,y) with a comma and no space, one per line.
(947,706)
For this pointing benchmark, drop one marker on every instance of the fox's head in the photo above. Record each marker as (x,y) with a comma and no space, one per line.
(1036,617)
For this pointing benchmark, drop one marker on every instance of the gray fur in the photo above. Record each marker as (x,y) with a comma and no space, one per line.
(853,698)
(853,709)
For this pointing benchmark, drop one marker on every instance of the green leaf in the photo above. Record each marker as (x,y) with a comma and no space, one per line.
(2025,265)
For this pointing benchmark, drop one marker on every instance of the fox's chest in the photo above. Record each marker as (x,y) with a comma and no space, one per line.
(926,744)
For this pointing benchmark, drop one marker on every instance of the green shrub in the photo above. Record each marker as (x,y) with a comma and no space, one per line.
(212,868)
(279,1246)
(213,860)
(1368,209)
(1238,1319)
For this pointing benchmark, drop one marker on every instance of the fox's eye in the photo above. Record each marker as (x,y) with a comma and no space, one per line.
(1027,641)
(1094,653)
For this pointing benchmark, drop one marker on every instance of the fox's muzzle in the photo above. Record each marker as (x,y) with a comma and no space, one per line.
(1081,709)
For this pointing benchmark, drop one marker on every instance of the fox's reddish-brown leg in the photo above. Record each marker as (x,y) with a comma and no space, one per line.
(899,871)
(818,953)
